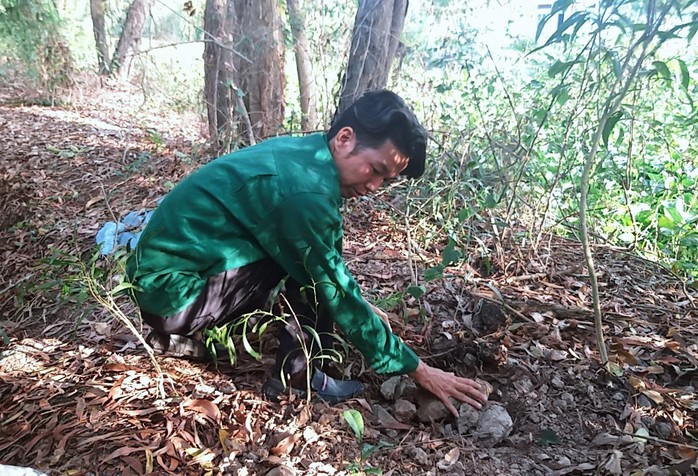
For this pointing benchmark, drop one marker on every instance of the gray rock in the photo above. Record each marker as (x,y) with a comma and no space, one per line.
(406,389)
(421,456)
(388,388)
(404,410)
(494,424)
(430,408)
(382,416)
(664,429)
(557,382)
(467,419)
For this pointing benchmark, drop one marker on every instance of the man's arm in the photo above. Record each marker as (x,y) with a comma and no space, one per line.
(379,312)
(446,384)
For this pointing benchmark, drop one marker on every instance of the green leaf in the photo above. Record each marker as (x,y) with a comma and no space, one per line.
(685,76)
(490,201)
(558,6)
(121,287)
(465,213)
(563,96)
(674,214)
(450,254)
(548,437)
(666,222)
(436,272)
(692,32)
(662,69)
(416,291)
(690,241)
(355,422)
(610,124)
(559,67)
(248,347)
(615,369)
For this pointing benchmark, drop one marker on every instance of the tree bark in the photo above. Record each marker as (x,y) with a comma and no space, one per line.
(97,12)
(259,65)
(375,39)
(214,19)
(130,38)
(304,66)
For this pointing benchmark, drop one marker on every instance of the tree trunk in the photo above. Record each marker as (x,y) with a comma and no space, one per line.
(375,39)
(130,38)
(259,65)
(214,19)
(304,66)
(97,12)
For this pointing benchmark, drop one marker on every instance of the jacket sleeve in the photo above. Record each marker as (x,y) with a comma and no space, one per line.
(301,235)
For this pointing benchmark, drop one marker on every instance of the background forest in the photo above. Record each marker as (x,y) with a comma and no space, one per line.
(562,135)
(516,112)
(520,112)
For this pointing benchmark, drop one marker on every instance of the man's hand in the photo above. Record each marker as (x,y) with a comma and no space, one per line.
(382,315)
(445,384)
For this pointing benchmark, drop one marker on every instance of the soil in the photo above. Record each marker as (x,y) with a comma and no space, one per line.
(79,395)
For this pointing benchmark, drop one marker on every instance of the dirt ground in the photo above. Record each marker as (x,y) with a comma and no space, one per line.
(79,394)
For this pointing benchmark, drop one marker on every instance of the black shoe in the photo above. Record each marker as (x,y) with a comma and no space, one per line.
(330,390)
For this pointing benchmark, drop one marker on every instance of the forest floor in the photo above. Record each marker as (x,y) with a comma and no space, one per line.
(79,395)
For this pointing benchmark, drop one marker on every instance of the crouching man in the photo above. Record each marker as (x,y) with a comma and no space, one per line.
(224,238)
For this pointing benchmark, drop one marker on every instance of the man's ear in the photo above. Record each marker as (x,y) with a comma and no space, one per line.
(345,139)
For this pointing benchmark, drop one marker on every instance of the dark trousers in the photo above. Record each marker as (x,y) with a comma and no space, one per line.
(242,291)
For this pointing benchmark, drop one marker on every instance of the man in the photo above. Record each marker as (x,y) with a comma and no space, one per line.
(227,235)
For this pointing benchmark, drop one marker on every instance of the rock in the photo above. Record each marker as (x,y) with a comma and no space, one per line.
(404,410)
(619,397)
(421,456)
(383,417)
(449,460)
(406,389)
(557,382)
(664,429)
(644,402)
(494,424)
(430,408)
(388,388)
(523,386)
(467,419)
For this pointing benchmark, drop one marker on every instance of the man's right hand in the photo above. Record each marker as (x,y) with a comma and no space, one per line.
(445,385)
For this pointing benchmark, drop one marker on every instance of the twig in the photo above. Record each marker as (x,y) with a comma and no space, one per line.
(659,440)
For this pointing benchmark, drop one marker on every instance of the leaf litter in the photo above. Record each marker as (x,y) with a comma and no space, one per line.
(79,396)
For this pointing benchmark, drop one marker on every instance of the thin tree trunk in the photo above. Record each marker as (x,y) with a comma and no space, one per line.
(214,18)
(130,38)
(97,12)
(259,65)
(227,96)
(375,39)
(304,66)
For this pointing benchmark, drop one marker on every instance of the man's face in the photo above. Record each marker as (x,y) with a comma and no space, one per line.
(363,170)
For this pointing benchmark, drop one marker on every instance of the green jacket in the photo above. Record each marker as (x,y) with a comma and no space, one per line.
(278,199)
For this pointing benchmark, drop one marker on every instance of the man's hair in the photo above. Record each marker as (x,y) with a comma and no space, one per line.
(381,115)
